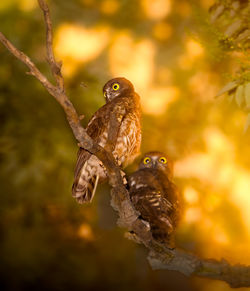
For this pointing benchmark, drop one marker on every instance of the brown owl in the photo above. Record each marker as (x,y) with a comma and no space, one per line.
(116,126)
(155,196)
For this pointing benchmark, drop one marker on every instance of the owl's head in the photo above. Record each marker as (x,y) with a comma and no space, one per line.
(159,161)
(117,87)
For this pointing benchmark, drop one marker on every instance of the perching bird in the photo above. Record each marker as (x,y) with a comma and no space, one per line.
(116,126)
(155,196)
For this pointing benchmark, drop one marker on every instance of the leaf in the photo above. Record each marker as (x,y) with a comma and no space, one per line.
(215,11)
(226,88)
(247,124)
(239,95)
(244,35)
(233,28)
(247,95)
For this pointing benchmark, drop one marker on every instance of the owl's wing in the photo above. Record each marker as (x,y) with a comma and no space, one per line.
(97,126)
(94,129)
(176,202)
(105,119)
(155,209)
(82,157)
(172,195)
(86,171)
(117,114)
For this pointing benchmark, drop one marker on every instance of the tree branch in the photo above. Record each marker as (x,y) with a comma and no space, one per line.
(190,264)
(160,257)
(55,67)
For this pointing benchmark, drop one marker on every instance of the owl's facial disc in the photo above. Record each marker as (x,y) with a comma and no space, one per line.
(117,87)
(111,92)
(158,161)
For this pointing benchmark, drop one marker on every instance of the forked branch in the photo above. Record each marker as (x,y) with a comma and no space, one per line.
(159,257)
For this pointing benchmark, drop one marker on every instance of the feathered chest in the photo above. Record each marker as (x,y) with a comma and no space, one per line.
(127,115)
(146,181)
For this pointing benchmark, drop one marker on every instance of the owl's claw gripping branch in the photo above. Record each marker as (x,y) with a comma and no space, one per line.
(160,257)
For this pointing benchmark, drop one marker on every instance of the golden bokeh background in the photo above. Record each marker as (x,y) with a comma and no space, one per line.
(163,47)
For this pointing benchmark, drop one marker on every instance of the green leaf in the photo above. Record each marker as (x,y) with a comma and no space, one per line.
(215,11)
(233,27)
(247,124)
(247,95)
(239,95)
(227,87)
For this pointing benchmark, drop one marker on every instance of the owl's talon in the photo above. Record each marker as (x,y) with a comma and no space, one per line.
(124,180)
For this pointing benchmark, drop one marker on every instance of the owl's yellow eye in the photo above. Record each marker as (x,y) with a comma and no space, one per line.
(163,160)
(146,160)
(105,94)
(116,86)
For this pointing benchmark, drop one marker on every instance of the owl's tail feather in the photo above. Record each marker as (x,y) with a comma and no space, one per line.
(164,234)
(84,192)
(84,187)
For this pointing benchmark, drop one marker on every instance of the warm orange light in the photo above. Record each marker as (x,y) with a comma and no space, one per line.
(194,48)
(193,214)
(156,100)
(75,45)
(132,59)
(212,201)
(216,166)
(204,85)
(208,165)
(183,8)
(27,5)
(85,232)
(219,235)
(191,195)
(184,62)
(207,3)
(241,194)
(109,6)
(164,75)
(162,31)
(157,9)
(193,51)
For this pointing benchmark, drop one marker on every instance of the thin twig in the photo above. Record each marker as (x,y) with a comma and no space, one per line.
(55,66)
(160,257)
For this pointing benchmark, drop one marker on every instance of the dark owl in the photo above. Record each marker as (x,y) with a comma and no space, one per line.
(115,126)
(155,196)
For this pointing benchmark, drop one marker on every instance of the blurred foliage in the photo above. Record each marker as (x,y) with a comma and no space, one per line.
(178,61)
(231,28)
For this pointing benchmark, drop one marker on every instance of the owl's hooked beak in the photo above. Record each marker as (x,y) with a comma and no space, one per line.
(154,162)
(107,95)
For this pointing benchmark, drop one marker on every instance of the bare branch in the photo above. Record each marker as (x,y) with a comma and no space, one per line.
(190,264)
(55,67)
(160,257)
